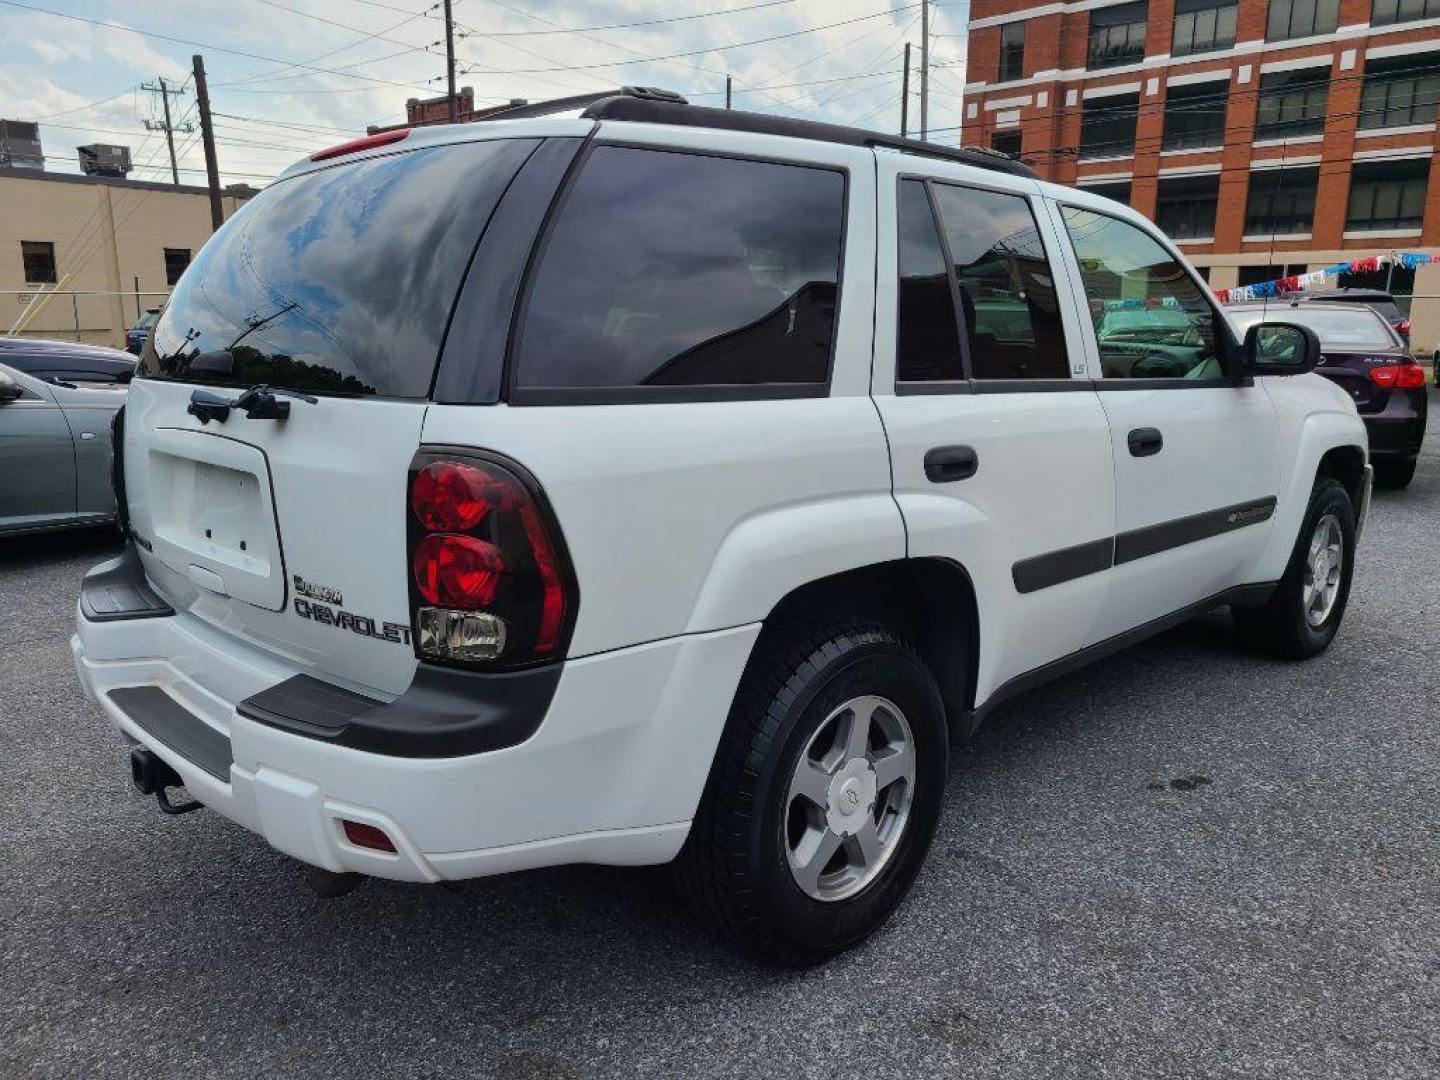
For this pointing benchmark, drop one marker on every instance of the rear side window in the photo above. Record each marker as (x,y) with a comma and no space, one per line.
(338,281)
(666,269)
(927,342)
(1006,289)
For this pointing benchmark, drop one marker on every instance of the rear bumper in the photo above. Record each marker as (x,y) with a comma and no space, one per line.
(1398,431)
(611,774)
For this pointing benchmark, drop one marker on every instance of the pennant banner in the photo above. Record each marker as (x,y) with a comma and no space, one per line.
(1298,282)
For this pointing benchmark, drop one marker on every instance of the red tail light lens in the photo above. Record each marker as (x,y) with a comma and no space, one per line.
(457,571)
(1398,376)
(491,583)
(1403,327)
(450,497)
(1410,377)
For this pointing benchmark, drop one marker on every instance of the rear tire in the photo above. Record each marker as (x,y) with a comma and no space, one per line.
(1394,474)
(824,794)
(1301,617)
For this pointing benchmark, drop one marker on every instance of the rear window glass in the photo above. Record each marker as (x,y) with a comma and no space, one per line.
(339,281)
(674,269)
(1336,326)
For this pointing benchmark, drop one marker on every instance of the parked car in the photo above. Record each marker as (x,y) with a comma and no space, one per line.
(54,451)
(66,361)
(1366,358)
(137,335)
(642,486)
(1379,301)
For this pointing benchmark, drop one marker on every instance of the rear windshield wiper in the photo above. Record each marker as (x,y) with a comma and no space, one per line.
(260,402)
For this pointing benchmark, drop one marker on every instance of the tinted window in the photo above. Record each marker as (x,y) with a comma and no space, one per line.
(1185,206)
(1292,102)
(338,281)
(39,259)
(927,341)
(672,269)
(1117,35)
(1107,126)
(1007,293)
(1151,320)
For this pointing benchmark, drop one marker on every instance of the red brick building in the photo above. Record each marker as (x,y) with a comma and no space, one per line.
(1263,135)
(420,112)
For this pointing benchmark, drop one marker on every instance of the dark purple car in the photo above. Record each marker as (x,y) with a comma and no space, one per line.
(1363,354)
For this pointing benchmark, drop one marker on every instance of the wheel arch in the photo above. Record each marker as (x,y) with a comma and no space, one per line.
(930,600)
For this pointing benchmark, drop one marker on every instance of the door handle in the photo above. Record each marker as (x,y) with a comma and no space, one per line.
(946,464)
(1145,441)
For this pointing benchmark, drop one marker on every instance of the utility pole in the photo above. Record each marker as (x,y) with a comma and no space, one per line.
(924,69)
(166,93)
(905,96)
(450,61)
(727,91)
(207,136)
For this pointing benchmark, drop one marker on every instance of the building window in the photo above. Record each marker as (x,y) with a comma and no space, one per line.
(176,260)
(1387,195)
(1117,36)
(1385,12)
(1301,18)
(39,259)
(1012,51)
(1107,126)
(1400,90)
(1292,103)
(1119,192)
(1195,116)
(1281,201)
(1006,142)
(1254,275)
(1185,206)
(1203,272)
(1203,26)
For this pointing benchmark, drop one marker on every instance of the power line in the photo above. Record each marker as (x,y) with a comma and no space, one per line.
(691,52)
(642,22)
(197,44)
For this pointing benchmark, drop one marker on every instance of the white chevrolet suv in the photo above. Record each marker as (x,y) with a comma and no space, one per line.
(657,483)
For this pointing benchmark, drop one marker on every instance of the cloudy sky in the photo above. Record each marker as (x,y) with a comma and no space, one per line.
(288,77)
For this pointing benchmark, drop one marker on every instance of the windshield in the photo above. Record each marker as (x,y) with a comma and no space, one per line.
(1155,324)
(146,321)
(1337,327)
(339,281)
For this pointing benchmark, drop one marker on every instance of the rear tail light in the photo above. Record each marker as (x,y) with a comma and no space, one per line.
(1398,376)
(490,580)
(1403,327)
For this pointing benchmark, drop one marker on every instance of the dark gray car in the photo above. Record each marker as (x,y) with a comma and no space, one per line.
(55,451)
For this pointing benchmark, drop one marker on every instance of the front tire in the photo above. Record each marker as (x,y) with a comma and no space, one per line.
(824,794)
(1302,616)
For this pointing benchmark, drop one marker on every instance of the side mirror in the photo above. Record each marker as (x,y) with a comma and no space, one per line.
(9,388)
(1280,348)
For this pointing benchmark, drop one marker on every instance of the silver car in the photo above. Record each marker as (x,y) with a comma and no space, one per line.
(55,451)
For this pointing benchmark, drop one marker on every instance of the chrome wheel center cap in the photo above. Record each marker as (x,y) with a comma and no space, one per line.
(852,797)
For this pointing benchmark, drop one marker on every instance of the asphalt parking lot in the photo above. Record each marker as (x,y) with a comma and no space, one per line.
(1184,862)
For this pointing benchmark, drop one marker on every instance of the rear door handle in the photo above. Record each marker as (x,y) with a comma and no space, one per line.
(946,464)
(1145,441)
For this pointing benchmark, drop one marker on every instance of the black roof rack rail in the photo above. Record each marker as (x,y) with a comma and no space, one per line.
(661,107)
(580,101)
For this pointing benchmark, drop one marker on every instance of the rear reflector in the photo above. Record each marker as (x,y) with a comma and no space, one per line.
(354,146)
(367,836)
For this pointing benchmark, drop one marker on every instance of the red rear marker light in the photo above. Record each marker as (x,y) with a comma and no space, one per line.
(367,836)
(1385,375)
(1403,327)
(354,146)
(491,583)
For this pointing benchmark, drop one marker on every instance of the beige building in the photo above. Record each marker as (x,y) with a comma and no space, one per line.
(106,247)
